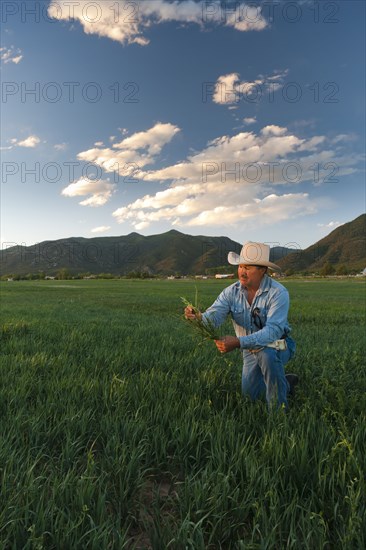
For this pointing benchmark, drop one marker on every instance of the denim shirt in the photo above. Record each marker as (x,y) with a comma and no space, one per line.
(271,303)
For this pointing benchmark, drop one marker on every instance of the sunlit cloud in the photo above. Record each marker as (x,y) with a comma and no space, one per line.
(331,225)
(230,89)
(234,179)
(31,141)
(101,229)
(60,146)
(132,153)
(249,120)
(100,191)
(10,55)
(126,22)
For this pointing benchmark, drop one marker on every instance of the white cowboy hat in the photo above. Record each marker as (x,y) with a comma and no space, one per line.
(253,254)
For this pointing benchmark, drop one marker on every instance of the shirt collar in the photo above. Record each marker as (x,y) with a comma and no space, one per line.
(265,284)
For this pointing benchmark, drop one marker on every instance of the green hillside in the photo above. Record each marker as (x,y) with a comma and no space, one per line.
(174,253)
(167,253)
(346,245)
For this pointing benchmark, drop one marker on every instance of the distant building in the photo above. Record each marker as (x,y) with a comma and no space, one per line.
(224,276)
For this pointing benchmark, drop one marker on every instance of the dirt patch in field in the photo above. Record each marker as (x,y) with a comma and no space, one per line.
(155,507)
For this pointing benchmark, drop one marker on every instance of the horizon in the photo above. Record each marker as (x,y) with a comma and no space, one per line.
(271,244)
(134,119)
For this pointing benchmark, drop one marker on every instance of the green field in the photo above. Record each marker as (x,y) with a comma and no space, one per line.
(120,429)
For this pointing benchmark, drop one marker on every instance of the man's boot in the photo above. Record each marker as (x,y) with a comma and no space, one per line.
(293,380)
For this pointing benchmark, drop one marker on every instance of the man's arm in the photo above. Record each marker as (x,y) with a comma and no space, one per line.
(220,309)
(217,314)
(227,343)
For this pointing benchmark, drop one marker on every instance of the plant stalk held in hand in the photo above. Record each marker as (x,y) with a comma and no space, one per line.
(205,328)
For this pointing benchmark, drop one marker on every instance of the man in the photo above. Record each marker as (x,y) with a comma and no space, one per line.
(258,306)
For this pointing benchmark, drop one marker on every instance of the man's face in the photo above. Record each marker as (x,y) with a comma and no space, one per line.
(250,276)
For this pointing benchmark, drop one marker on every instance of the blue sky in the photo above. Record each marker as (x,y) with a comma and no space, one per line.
(237,119)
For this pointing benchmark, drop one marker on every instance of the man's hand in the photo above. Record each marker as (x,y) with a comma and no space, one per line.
(227,343)
(189,313)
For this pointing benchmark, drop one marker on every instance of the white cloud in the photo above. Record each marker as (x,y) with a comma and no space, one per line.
(331,225)
(10,55)
(203,209)
(274,130)
(249,120)
(100,191)
(153,139)
(132,153)
(229,89)
(271,209)
(344,138)
(101,229)
(31,141)
(99,144)
(234,179)
(246,18)
(60,146)
(312,144)
(226,89)
(126,21)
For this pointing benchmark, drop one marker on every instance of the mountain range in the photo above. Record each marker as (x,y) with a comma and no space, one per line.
(176,253)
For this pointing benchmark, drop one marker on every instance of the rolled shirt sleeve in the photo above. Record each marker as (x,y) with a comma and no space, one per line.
(220,309)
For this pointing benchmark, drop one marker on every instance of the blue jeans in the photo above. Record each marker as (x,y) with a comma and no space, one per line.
(264,374)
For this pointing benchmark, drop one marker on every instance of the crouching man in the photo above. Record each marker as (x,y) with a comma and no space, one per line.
(258,306)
